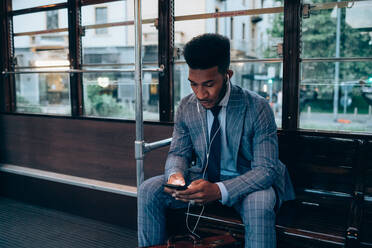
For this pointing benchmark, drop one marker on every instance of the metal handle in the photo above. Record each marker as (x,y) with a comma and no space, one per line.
(160,69)
(148,147)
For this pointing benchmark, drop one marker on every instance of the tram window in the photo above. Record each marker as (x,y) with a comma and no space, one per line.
(336,92)
(42,93)
(319,32)
(40,21)
(191,7)
(253,37)
(22,4)
(112,95)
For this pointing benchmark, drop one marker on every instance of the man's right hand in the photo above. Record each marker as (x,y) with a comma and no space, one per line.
(176,179)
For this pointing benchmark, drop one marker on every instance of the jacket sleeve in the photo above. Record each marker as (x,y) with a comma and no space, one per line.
(265,165)
(180,152)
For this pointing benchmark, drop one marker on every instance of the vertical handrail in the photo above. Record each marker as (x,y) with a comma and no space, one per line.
(138,83)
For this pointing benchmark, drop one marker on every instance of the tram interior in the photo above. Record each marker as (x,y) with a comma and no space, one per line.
(70,119)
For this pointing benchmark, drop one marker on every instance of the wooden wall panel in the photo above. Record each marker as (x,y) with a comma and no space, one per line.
(96,149)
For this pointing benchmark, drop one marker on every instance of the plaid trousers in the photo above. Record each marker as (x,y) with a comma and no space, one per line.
(256,211)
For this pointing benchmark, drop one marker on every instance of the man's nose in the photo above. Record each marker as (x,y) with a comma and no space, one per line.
(201,94)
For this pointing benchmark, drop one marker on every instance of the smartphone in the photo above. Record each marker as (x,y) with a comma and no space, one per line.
(176,187)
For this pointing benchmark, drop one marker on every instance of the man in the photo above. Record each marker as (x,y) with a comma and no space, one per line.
(233,135)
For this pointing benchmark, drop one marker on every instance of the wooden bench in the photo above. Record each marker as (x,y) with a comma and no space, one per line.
(333,207)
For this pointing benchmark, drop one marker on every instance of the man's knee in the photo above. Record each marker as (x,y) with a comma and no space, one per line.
(260,203)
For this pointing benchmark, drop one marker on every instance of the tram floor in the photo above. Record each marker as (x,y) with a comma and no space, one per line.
(28,226)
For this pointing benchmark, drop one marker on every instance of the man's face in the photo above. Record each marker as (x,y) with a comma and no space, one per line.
(207,85)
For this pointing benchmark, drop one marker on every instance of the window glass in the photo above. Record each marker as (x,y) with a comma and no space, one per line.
(349,110)
(251,37)
(42,50)
(119,11)
(112,95)
(44,20)
(22,4)
(322,37)
(43,93)
(337,95)
(192,7)
(257,42)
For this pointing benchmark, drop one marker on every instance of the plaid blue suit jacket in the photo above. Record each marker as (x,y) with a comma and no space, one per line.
(252,136)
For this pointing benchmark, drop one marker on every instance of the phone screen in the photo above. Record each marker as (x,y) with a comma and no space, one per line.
(176,187)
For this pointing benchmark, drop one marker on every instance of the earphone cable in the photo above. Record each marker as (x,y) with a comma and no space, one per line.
(205,169)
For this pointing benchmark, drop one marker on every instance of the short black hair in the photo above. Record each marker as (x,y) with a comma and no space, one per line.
(208,50)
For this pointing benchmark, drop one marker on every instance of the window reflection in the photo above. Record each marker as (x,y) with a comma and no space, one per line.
(112,95)
(42,93)
(251,37)
(336,95)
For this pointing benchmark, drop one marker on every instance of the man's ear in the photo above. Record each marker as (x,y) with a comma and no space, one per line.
(230,73)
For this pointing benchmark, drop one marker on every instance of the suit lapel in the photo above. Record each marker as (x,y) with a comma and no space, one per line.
(204,135)
(235,119)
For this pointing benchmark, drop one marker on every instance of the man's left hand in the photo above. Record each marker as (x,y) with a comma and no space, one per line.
(200,191)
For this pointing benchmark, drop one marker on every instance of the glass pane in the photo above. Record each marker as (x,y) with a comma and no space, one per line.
(22,4)
(45,20)
(104,13)
(149,9)
(337,103)
(264,78)
(113,95)
(117,11)
(116,46)
(248,39)
(42,50)
(192,7)
(43,93)
(322,37)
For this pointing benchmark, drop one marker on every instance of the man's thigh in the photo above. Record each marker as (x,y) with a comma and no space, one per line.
(152,190)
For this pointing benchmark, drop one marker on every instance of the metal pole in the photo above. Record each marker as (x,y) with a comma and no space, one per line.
(337,66)
(138,82)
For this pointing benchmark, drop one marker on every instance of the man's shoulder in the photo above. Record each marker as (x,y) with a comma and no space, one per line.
(189,99)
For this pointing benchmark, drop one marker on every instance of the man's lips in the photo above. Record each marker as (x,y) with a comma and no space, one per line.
(206,104)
